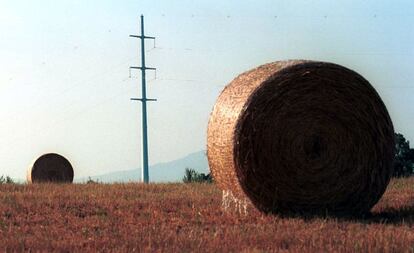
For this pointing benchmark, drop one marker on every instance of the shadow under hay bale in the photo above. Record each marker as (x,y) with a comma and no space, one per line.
(50,168)
(301,137)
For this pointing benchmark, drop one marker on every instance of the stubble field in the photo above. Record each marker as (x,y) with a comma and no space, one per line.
(187,218)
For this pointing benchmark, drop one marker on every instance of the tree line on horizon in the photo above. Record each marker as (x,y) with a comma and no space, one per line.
(404,157)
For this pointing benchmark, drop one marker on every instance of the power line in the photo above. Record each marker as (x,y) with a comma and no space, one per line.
(70,115)
(92,79)
(276,16)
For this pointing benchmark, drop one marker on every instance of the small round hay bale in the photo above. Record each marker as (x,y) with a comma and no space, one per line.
(303,137)
(50,168)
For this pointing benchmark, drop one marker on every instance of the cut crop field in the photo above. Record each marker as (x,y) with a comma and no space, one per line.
(187,218)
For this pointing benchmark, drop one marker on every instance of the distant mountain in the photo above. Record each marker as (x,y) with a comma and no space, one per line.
(162,172)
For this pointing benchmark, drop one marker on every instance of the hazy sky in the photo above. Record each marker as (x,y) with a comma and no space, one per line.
(65,86)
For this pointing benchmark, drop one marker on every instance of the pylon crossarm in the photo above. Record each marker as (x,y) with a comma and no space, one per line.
(140,37)
(142,99)
(142,68)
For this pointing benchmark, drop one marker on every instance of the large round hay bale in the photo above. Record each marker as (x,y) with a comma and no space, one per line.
(50,168)
(303,137)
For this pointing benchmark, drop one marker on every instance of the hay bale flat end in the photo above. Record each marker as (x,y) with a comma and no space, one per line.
(302,136)
(50,168)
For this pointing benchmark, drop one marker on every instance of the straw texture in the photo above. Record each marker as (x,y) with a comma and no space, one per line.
(303,137)
(50,168)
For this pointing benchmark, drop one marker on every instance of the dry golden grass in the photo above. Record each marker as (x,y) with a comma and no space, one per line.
(187,218)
